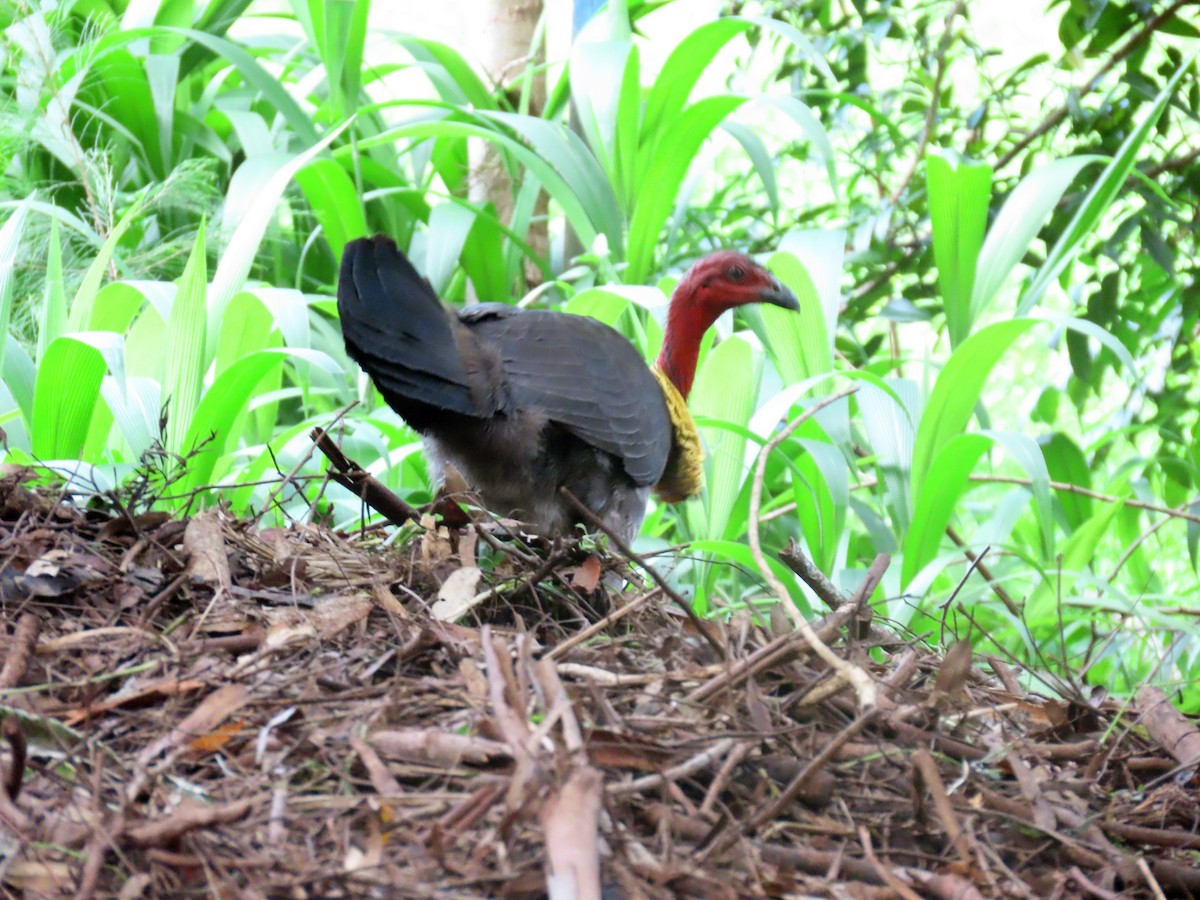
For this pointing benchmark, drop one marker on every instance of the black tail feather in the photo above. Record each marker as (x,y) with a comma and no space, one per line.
(400,333)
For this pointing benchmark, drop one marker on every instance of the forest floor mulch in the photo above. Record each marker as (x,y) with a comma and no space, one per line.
(204,708)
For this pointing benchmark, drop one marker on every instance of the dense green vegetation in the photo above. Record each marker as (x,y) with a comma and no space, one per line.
(1003,263)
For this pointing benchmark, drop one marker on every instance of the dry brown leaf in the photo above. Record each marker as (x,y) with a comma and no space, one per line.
(466,549)
(431,745)
(204,719)
(215,740)
(435,542)
(387,601)
(956,666)
(190,816)
(288,627)
(586,576)
(614,750)
(456,595)
(38,877)
(137,886)
(328,617)
(208,558)
(153,690)
(334,614)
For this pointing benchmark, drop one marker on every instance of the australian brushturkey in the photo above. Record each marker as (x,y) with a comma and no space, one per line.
(523,402)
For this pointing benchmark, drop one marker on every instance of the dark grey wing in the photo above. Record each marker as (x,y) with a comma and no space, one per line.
(404,338)
(586,377)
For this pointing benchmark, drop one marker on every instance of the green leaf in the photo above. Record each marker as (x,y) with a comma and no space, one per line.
(1065,462)
(1018,223)
(604,82)
(812,129)
(936,500)
(1028,455)
(1077,554)
(456,82)
(889,417)
(562,190)
(801,345)
(334,201)
(696,52)
(664,174)
(760,158)
(615,304)
(61,417)
(959,194)
(337,28)
(135,406)
(484,259)
(1098,200)
(235,262)
(567,154)
(81,313)
(726,389)
(223,403)
(185,364)
(10,241)
(20,377)
(52,317)
(117,83)
(449,225)
(821,487)
(1092,330)
(957,390)
(738,553)
(277,96)
(682,70)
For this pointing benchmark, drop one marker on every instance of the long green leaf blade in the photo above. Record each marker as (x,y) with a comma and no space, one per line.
(1092,211)
(185,362)
(959,194)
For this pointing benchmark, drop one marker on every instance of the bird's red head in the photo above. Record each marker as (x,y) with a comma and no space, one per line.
(714,284)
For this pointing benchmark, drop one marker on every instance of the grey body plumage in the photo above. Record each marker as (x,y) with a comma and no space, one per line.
(521,402)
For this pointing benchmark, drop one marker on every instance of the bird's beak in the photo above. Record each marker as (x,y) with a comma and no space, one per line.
(779,295)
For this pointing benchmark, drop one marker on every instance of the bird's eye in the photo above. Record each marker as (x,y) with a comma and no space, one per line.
(736,273)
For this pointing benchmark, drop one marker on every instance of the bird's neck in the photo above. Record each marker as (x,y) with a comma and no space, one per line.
(681,345)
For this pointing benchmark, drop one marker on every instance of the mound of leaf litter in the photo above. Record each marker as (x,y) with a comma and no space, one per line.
(207,709)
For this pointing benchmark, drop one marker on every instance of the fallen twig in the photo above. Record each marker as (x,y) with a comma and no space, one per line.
(595,521)
(20,650)
(856,677)
(363,484)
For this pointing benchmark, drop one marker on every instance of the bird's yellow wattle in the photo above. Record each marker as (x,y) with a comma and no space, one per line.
(684,475)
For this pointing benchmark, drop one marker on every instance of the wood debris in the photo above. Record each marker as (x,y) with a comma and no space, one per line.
(326,736)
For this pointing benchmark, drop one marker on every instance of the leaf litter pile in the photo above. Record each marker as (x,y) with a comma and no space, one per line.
(204,708)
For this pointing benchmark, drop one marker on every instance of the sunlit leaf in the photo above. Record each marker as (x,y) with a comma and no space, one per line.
(959,194)
(1095,205)
(185,362)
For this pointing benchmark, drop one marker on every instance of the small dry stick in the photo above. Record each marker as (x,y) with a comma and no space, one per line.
(1061,112)
(794,788)
(591,631)
(1069,488)
(594,520)
(978,565)
(690,766)
(857,678)
(795,560)
(20,650)
(300,464)
(362,484)
(934,103)
(889,877)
